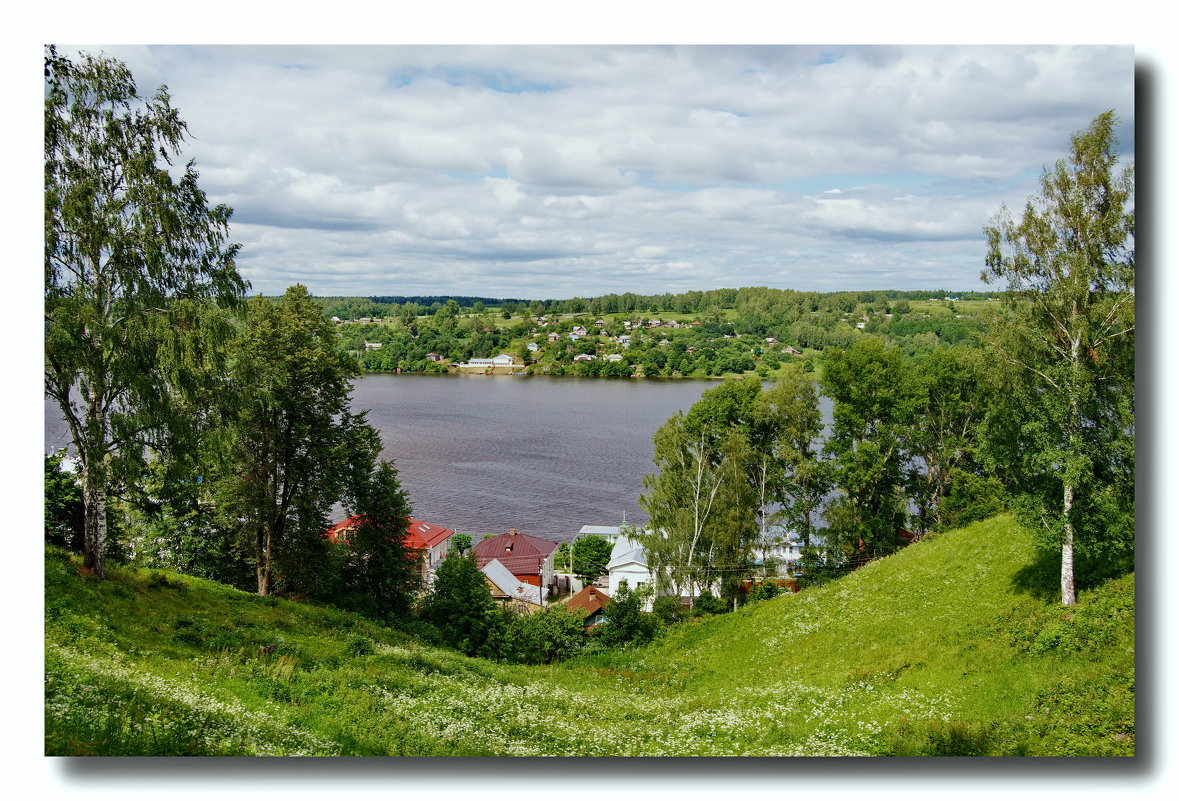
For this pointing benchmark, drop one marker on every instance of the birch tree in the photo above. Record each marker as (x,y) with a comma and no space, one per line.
(131,248)
(1068,265)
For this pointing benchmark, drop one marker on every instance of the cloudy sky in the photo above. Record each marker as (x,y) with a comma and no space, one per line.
(552,171)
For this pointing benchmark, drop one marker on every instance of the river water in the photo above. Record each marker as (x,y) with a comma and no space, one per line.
(542,455)
(484,454)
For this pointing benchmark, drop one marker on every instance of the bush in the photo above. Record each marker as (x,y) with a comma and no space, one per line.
(668,610)
(762,591)
(708,604)
(626,622)
(546,636)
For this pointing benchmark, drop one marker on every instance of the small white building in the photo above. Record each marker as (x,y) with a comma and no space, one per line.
(628,562)
(502,360)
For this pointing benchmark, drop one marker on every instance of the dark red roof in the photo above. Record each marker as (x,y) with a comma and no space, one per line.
(519,553)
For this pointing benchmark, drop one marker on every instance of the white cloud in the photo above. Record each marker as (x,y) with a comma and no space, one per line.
(584,170)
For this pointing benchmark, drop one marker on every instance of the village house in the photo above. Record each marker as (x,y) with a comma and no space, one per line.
(529,559)
(590,603)
(509,591)
(372,345)
(628,562)
(608,533)
(434,357)
(430,542)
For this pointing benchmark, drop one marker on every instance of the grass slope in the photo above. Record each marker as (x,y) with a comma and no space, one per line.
(936,650)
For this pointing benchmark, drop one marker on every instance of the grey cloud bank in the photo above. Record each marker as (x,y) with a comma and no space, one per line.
(538,171)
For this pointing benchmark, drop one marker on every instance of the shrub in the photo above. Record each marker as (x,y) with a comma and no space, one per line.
(708,604)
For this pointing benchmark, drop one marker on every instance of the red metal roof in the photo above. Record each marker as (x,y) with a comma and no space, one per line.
(519,553)
(419,535)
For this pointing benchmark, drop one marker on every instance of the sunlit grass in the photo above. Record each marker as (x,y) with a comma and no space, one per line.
(937,650)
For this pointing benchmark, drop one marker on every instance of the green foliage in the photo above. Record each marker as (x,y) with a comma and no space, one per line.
(378,574)
(460,606)
(970,498)
(549,635)
(589,557)
(64,511)
(762,591)
(953,390)
(874,399)
(460,542)
(132,255)
(289,441)
(626,622)
(1064,435)
(668,610)
(708,604)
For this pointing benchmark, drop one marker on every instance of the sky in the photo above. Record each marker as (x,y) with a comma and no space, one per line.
(539,171)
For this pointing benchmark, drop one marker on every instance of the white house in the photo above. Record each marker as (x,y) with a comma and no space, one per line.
(628,562)
(784,547)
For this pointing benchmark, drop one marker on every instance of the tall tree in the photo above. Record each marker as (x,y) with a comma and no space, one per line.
(379,575)
(789,470)
(703,503)
(126,245)
(873,396)
(1068,265)
(951,401)
(290,431)
(461,607)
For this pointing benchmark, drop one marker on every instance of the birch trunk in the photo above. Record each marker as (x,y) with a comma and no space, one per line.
(1068,595)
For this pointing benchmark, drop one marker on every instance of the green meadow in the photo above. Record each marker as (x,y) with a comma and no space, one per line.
(953,646)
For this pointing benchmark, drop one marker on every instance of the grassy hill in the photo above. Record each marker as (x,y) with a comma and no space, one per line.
(944,648)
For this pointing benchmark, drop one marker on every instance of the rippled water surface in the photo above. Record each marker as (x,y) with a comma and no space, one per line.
(487,453)
(542,455)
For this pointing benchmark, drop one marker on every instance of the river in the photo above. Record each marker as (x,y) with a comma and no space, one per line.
(484,454)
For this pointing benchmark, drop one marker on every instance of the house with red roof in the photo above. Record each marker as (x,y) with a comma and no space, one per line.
(589,603)
(530,559)
(431,542)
